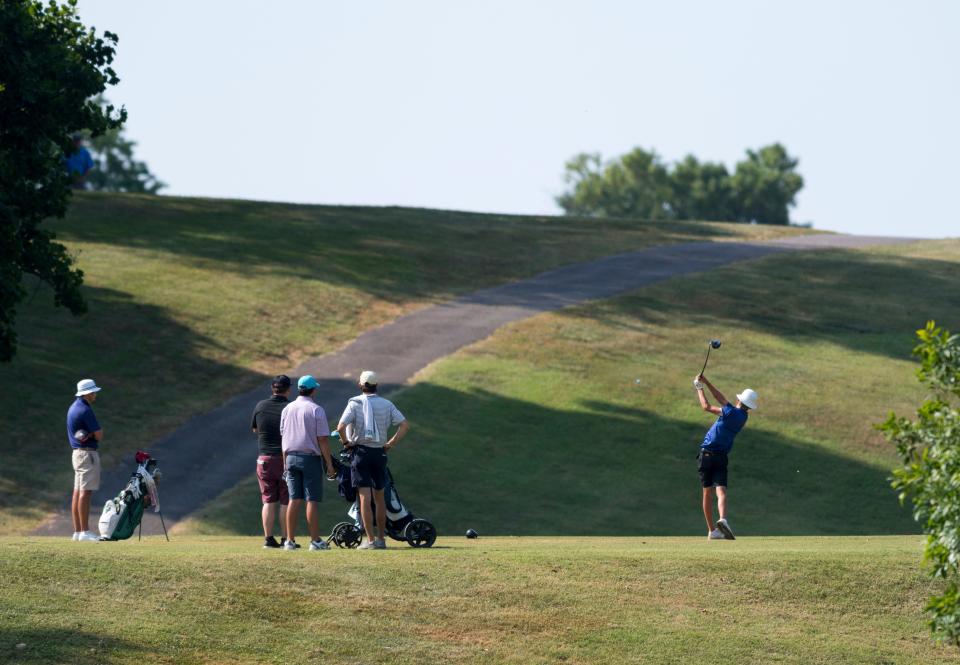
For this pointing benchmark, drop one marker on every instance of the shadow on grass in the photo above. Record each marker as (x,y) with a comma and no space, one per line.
(393,253)
(508,467)
(155,374)
(64,645)
(868,302)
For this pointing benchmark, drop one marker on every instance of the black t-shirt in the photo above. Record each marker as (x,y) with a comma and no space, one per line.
(266,418)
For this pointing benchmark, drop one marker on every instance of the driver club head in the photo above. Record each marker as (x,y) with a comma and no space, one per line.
(714,344)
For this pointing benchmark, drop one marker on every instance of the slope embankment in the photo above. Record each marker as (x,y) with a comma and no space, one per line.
(193,301)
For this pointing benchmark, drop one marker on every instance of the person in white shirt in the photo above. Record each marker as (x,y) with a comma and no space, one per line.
(363,428)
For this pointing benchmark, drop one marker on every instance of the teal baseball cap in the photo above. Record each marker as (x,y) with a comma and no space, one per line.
(307,382)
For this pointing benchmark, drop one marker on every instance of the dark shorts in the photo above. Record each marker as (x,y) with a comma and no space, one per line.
(273,487)
(305,477)
(368,467)
(712,468)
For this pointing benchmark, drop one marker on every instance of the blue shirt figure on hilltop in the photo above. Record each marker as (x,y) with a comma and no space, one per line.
(78,163)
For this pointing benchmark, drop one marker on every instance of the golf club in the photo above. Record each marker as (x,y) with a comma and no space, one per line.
(714,344)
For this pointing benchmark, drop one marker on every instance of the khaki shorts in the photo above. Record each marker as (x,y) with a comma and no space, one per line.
(86,466)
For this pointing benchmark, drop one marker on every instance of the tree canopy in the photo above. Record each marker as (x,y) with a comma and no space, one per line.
(929,448)
(51,69)
(761,189)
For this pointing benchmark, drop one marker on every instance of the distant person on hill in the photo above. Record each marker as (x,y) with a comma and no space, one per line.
(305,444)
(364,428)
(78,163)
(712,458)
(84,435)
(273,487)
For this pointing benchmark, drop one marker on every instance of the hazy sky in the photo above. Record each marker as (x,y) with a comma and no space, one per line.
(477,105)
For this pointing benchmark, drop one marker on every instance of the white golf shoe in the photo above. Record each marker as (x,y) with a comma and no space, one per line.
(88,536)
(716,534)
(724,528)
(76,535)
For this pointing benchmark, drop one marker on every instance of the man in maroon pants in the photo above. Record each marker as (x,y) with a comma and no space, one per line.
(273,488)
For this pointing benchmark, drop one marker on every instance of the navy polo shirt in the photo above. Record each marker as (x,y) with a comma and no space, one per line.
(80,416)
(719,438)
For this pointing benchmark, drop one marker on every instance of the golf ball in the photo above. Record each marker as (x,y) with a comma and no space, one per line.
(637,381)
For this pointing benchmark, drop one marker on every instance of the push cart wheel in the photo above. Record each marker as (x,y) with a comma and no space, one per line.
(336,528)
(345,535)
(350,536)
(420,533)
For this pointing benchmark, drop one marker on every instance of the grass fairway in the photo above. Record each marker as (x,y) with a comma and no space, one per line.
(541,429)
(195,300)
(495,600)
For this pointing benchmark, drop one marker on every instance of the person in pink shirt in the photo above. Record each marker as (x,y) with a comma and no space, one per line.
(305,444)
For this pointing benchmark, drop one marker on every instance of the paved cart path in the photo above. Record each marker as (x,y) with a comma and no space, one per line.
(214,451)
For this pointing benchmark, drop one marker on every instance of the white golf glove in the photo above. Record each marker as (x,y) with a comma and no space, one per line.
(697,384)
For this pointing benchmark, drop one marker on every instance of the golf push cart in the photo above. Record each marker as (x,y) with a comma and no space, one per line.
(401,524)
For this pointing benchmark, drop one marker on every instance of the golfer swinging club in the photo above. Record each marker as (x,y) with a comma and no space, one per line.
(712,458)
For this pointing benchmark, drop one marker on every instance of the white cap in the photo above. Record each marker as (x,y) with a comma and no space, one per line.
(368,377)
(87,386)
(749,398)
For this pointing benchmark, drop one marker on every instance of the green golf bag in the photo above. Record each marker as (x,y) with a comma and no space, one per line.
(122,515)
(128,518)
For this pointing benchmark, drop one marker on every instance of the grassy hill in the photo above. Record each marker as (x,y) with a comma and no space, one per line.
(194,300)
(543,429)
(494,600)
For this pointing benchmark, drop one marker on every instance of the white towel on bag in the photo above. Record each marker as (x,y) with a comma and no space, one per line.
(370,431)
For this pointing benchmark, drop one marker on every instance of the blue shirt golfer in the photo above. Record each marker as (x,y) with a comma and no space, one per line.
(712,458)
(84,435)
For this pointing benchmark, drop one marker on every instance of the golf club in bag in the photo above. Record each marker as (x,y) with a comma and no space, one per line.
(123,514)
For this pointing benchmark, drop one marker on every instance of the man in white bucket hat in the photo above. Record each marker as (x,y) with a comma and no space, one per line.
(84,435)
(712,458)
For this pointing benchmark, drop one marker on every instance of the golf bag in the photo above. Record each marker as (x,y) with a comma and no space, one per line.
(401,524)
(122,515)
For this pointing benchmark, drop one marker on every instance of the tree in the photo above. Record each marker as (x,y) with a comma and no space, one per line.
(51,69)
(584,172)
(765,185)
(702,191)
(635,185)
(116,169)
(639,184)
(930,451)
